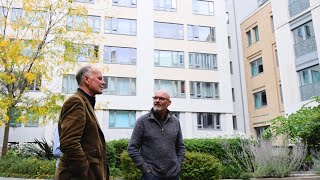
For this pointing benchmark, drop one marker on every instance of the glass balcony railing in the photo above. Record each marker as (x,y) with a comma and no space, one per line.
(298,6)
(306,46)
(309,90)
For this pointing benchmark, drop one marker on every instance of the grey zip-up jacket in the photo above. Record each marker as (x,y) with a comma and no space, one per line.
(157,148)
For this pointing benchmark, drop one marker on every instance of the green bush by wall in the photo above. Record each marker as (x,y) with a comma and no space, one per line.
(197,166)
(26,168)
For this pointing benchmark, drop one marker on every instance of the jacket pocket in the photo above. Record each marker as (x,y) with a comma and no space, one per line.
(92,156)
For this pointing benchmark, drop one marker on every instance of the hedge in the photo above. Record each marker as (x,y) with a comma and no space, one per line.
(197,166)
(27,168)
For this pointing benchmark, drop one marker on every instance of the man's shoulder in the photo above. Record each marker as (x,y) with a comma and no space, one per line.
(144,117)
(75,98)
(174,118)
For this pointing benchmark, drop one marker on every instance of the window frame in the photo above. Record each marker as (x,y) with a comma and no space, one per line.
(111,26)
(201,60)
(179,34)
(178,85)
(131,119)
(203,116)
(257,64)
(113,89)
(258,98)
(133,3)
(132,51)
(196,7)
(172,8)
(198,90)
(194,33)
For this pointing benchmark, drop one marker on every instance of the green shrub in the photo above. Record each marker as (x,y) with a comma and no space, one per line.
(129,170)
(216,147)
(117,147)
(197,166)
(26,167)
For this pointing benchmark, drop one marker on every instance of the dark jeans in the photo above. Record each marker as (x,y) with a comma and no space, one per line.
(150,176)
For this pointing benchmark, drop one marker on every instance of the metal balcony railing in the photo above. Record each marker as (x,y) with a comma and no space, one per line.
(306,46)
(298,6)
(309,90)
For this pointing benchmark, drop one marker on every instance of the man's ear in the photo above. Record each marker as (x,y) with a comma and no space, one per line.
(86,79)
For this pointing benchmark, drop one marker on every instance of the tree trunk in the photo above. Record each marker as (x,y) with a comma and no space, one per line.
(5,140)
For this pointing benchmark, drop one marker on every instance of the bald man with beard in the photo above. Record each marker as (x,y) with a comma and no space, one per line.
(156,145)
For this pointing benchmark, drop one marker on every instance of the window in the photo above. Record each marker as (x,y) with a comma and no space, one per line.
(228,17)
(168,58)
(272,23)
(119,55)
(235,123)
(201,33)
(168,30)
(165,5)
(175,88)
(303,32)
(16,14)
(229,42)
(69,83)
(35,85)
(84,23)
(33,121)
(32,18)
(208,90)
(260,130)
(122,119)
(309,75)
(120,26)
(125,3)
(309,82)
(3,12)
(281,95)
(202,61)
(82,52)
(256,67)
(233,95)
(256,33)
(119,86)
(249,38)
(16,113)
(30,48)
(210,121)
(202,7)
(260,99)
(277,58)
(84,1)
(231,67)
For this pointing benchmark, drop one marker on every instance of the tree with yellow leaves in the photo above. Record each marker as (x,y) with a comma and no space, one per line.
(36,44)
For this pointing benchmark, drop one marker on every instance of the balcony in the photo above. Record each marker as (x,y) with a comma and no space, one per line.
(261,2)
(298,6)
(309,90)
(305,47)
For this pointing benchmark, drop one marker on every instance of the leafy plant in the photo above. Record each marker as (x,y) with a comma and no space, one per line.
(45,150)
(26,167)
(199,166)
(302,125)
(262,159)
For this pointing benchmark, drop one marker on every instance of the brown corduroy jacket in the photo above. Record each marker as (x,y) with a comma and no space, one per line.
(81,142)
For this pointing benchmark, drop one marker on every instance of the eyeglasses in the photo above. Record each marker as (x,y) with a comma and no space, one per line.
(160,98)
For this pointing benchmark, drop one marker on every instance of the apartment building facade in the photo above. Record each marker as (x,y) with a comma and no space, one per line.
(177,45)
(236,13)
(298,40)
(261,67)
